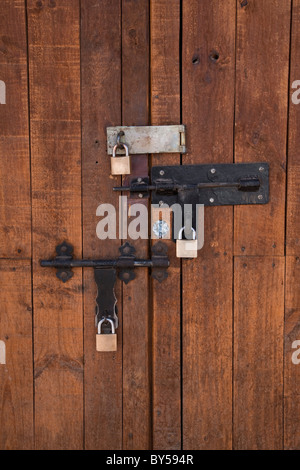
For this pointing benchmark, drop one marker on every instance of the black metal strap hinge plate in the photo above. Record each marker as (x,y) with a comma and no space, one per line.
(106,299)
(211,185)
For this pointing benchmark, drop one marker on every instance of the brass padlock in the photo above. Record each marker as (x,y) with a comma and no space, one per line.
(186,248)
(106,342)
(120,165)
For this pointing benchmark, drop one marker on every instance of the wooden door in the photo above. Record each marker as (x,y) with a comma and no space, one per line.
(208,358)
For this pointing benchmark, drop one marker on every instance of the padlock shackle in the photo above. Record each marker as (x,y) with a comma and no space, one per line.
(113,330)
(120,145)
(182,230)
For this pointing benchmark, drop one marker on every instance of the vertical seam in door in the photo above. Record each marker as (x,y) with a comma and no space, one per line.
(234,84)
(285,233)
(287,123)
(233,229)
(150,298)
(82,232)
(283,355)
(31,215)
(181,277)
(121,241)
(233,279)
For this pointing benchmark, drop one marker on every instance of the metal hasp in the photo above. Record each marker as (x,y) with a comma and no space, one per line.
(210,185)
(147,139)
(106,272)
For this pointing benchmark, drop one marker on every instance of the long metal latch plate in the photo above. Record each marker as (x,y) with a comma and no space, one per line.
(147,139)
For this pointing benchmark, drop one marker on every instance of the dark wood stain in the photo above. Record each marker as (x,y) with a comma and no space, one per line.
(204,359)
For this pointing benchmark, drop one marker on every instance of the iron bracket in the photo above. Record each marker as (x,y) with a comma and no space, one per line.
(106,271)
(209,185)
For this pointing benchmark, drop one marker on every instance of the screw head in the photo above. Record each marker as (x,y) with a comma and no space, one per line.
(213,170)
(261,168)
(260,197)
(211,200)
(161,172)
(140,195)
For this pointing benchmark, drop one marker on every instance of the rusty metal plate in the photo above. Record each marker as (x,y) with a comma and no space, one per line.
(148,139)
(211,185)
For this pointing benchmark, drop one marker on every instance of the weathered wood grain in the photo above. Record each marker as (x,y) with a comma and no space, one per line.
(292,300)
(170,384)
(16,375)
(208,68)
(166,325)
(293,198)
(101,108)
(258,352)
(15,204)
(262,62)
(136,320)
(291,346)
(54,73)
(260,135)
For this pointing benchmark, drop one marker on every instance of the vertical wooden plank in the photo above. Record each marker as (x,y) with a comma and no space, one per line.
(136,338)
(292,300)
(258,351)
(15,211)
(16,371)
(208,65)
(54,55)
(101,107)
(293,200)
(166,326)
(261,107)
(292,355)
(261,118)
